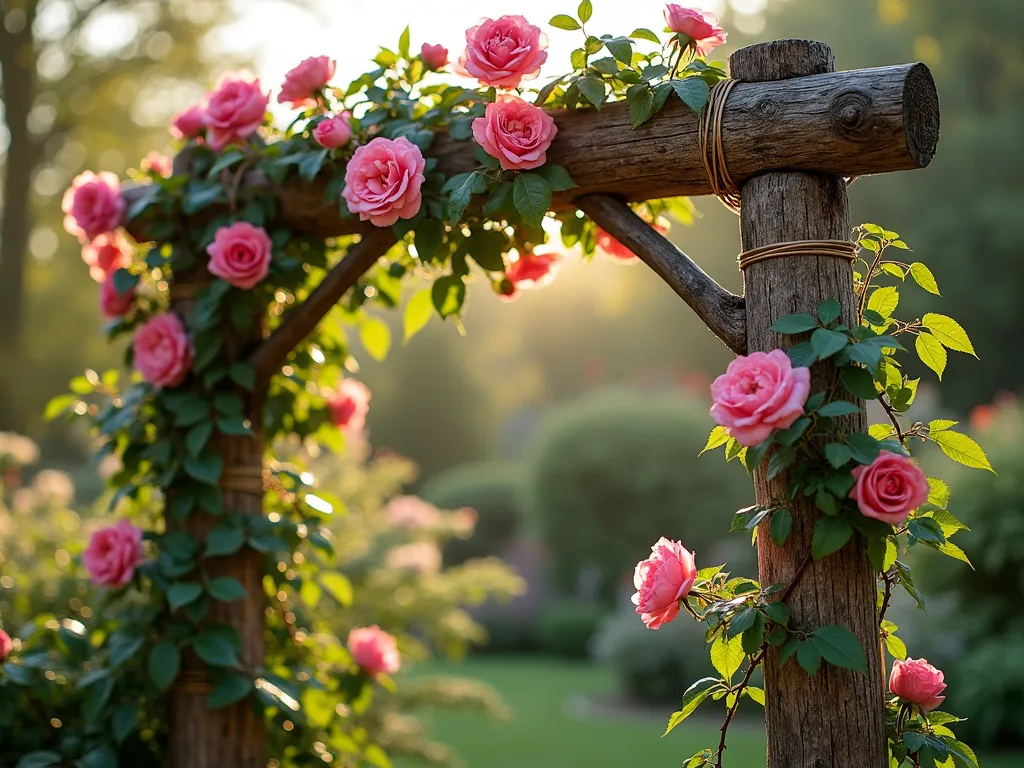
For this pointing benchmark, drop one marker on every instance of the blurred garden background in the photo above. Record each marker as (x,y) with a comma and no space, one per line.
(570,420)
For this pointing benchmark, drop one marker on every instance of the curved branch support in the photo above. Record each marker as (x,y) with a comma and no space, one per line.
(723,312)
(270,355)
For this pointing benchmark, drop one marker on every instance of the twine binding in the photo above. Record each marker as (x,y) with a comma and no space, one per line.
(243,479)
(840,249)
(712,149)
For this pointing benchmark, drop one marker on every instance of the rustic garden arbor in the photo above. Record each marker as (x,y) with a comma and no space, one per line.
(793,130)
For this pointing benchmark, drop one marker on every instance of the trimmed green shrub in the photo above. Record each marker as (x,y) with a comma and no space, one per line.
(566,627)
(610,474)
(494,490)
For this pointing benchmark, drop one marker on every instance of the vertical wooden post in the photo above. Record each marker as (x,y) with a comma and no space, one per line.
(835,719)
(235,736)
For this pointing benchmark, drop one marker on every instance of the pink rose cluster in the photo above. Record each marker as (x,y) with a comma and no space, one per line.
(105,254)
(374,650)
(890,488)
(503,52)
(759,393)
(434,57)
(917,681)
(163,351)
(383,181)
(701,27)
(93,205)
(240,254)
(112,303)
(334,131)
(530,270)
(515,132)
(234,110)
(113,554)
(303,83)
(349,405)
(661,581)
(6,645)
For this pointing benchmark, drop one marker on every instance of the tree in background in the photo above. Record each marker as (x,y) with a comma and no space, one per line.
(83,84)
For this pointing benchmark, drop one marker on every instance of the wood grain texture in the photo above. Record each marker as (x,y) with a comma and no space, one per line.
(271,354)
(721,311)
(835,719)
(845,124)
(232,737)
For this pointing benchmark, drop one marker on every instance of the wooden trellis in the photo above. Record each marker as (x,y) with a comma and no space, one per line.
(793,130)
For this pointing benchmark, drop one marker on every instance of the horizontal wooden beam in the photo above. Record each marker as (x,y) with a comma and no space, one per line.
(855,123)
(722,312)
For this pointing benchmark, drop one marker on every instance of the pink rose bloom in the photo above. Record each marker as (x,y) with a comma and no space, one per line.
(374,650)
(6,645)
(434,56)
(612,248)
(188,123)
(240,254)
(661,581)
(163,350)
(890,489)
(411,513)
(113,554)
(156,163)
(503,52)
(235,109)
(383,180)
(112,303)
(759,393)
(93,205)
(700,26)
(532,270)
(333,132)
(106,254)
(917,681)
(515,132)
(301,84)
(349,405)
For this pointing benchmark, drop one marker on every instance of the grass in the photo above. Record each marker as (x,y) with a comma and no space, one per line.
(544,734)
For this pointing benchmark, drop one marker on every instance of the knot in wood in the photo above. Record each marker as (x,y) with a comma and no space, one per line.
(767,108)
(852,114)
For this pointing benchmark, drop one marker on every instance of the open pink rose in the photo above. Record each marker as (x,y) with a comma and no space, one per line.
(759,393)
(106,254)
(113,554)
(235,109)
(240,254)
(503,52)
(383,180)
(515,132)
(156,163)
(434,56)
(612,248)
(917,681)
(93,205)
(6,645)
(302,83)
(530,270)
(349,405)
(333,132)
(661,581)
(700,26)
(374,650)
(890,488)
(163,350)
(188,123)
(112,303)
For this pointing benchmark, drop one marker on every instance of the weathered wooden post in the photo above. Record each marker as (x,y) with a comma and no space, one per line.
(836,717)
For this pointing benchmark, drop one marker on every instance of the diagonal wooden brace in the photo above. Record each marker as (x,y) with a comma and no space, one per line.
(723,312)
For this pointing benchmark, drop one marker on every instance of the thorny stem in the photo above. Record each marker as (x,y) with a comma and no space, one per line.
(892,417)
(886,598)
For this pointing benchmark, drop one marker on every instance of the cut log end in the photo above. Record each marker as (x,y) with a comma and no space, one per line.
(921,114)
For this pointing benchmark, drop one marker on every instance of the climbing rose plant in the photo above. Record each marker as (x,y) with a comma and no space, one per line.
(862,484)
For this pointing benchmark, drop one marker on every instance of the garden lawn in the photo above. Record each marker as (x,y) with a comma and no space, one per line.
(543,734)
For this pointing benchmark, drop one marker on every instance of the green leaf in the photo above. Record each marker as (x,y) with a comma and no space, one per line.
(58,405)
(206,468)
(123,647)
(231,691)
(233,425)
(838,454)
(809,657)
(243,374)
(101,757)
(829,310)
(418,312)
(621,48)
(693,91)
(792,324)
(826,343)
(802,355)
(182,593)
(227,589)
(532,196)
(561,21)
(924,277)
(839,646)
(926,529)
(865,448)
(780,525)
(692,698)
(753,636)
(743,620)
(461,189)
(896,647)
(448,294)
(873,318)
(859,382)
(642,33)
(214,648)
(962,449)
(727,655)
(557,177)
(224,162)
(124,281)
(403,43)
(428,237)
(641,105)
(719,436)
(224,541)
(97,698)
(200,196)
(757,694)
(778,612)
(789,436)
(949,332)
(884,300)
(123,721)
(198,437)
(830,535)
(375,336)
(585,11)
(931,352)
(311,163)
(338,587)
(592,89)
(838,408)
